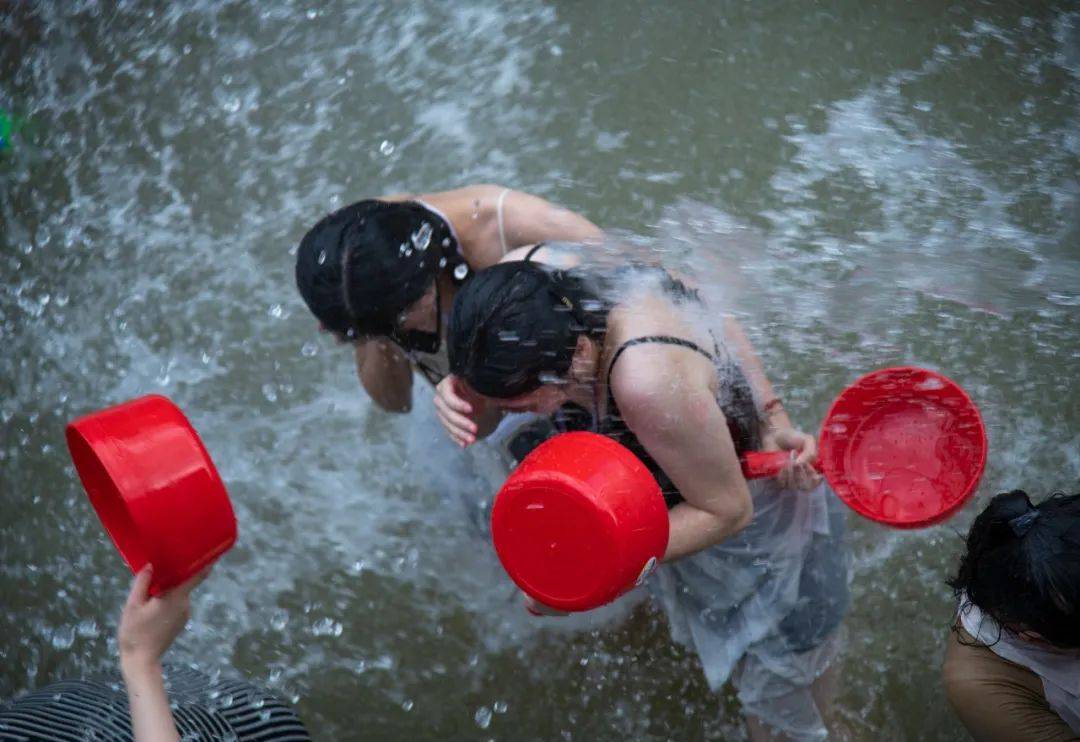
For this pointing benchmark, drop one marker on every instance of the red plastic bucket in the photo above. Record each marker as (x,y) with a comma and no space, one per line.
(154,487)
(579,522)
(901,446)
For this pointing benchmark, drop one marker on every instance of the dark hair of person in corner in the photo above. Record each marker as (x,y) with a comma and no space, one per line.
(1022,565)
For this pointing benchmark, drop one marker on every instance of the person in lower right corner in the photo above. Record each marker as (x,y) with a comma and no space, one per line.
(1012,666)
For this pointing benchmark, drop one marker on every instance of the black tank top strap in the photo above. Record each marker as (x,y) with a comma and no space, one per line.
(532,251)
(660,339)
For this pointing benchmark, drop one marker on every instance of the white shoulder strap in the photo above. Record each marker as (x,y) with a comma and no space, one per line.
(499,217)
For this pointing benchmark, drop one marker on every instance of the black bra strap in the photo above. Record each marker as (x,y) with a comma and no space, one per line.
(661,339)
(532,251)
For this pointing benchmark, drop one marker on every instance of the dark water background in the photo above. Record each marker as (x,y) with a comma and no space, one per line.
(871,183)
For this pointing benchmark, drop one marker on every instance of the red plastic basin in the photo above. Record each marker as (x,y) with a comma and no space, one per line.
(154,487)
(579,522)
(904,446)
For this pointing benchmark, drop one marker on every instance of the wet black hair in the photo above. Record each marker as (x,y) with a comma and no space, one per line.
(515,325)
(360,267)
(1022,565)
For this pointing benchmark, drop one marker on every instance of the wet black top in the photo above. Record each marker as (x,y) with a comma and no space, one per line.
(736,400)
(738,408)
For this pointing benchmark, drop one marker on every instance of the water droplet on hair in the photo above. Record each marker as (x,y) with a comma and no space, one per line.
(421,238)
(460,271)
(446,242)
(322,257)
(547,377)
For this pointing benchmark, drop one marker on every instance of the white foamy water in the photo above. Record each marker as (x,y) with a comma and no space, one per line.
(859,197)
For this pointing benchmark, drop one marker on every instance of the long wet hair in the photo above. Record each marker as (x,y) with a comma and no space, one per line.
(515,326)
(1022,565)
(360,267)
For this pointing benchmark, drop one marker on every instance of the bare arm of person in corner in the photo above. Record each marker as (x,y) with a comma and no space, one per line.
(148,626)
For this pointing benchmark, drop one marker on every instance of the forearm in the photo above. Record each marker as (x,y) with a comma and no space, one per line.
(693,529)
(772,410)
(151,717)
(386,375)
(528,219)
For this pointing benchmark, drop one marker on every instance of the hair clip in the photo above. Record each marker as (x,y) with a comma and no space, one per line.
(1021,524)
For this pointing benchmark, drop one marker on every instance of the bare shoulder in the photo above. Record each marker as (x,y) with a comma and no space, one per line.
(650,380)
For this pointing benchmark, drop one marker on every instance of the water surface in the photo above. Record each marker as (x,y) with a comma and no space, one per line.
(867,185)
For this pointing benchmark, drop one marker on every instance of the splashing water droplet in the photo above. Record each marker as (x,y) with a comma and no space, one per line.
(386,148)
(482,717)
(327,627)
(309,349)
(407,704)
(322,257)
